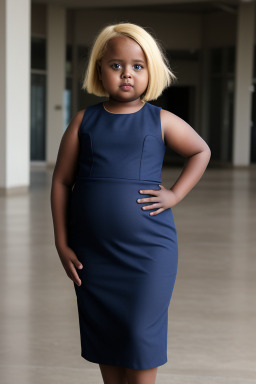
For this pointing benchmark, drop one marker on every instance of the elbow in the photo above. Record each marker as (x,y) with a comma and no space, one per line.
(208,150)
(208,153)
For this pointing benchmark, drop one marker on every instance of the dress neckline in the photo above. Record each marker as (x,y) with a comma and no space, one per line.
(120,114)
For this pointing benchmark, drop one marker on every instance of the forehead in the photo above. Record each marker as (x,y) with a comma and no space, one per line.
(124,46)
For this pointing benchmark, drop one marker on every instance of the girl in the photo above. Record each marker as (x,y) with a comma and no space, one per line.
(113,223)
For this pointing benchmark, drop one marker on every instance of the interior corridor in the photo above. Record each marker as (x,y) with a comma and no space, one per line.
(211,332)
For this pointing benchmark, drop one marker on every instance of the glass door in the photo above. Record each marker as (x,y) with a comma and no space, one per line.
(38,117)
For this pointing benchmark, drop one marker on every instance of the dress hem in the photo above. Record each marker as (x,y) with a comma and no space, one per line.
(125,365)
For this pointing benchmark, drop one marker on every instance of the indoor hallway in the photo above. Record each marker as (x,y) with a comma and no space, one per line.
(211,333)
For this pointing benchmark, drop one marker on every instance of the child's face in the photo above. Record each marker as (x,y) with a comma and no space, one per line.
(123,62)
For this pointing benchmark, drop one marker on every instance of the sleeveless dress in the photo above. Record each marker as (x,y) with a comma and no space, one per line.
(129,258)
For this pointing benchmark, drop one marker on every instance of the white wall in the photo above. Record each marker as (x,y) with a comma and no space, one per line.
(14,93)
(56,60)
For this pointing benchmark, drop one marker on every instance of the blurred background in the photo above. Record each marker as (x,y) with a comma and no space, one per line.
(210,45)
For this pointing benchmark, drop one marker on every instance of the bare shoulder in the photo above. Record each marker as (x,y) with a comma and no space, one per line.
(80,114)
(169,119)
(66,163)
(179,135)
(170,123)
(76,121)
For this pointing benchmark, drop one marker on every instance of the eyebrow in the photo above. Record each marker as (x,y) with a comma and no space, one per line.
(138,60)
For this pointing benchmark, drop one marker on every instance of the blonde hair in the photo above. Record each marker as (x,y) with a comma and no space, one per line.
(160,74)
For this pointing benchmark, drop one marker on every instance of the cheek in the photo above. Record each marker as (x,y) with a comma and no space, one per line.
(106,81)
(145,79)
(110,76)
(145,75)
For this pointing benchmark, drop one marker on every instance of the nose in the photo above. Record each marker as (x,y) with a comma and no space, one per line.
(126,72)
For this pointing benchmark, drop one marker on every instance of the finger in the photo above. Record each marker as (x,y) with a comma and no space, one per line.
(156,212)
(77,263)
(152,206)
(149,191)
(74,275)
(148,199)
(70,275)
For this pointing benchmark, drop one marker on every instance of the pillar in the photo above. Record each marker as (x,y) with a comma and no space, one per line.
(243,83)
(56,59)
(14,96)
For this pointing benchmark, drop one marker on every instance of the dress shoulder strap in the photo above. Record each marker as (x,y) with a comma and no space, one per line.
(89,113)
(154,121)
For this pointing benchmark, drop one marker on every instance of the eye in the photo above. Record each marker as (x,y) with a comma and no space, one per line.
(115,64)
(138,65)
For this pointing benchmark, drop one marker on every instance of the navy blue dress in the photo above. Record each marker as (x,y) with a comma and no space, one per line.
(130,258)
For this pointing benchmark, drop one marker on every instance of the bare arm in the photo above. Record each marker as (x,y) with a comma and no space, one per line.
(62,182)
(183,139)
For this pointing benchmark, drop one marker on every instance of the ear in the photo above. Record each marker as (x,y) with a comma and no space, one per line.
(98,66)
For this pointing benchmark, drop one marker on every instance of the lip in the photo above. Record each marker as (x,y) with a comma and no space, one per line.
(125,86)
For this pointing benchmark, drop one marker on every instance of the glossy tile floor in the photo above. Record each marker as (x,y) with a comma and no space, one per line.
(212,315)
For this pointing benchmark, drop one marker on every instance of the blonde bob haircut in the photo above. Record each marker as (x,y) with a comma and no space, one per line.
(160,74)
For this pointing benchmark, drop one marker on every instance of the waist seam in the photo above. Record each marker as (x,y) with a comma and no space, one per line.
(118,179)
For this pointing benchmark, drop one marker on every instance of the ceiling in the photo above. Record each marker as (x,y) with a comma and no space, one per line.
(191,6)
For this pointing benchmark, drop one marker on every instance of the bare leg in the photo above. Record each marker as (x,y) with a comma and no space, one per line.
(141,376)
(113,374)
